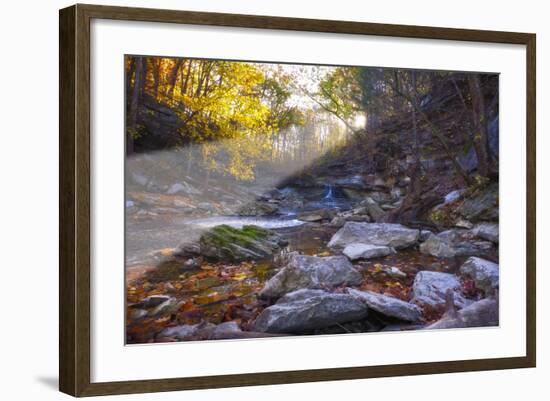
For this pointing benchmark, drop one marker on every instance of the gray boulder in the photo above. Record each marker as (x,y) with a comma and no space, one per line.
(482,205)
(309,311)
(181,332)
(452,243)
(388,306)
(484,273)
(488,231)
(393,235)
(430,288)
(311,272)
(234,245)
(357,251)
(374,211)
(482,313)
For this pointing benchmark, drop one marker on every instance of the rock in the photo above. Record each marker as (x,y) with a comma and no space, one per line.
(188,249)
(482,205)
(151,301)
(182,187)
(375,211)
(488,231)
(394,272)
(381,197)
(225,330)
(130,203)
(385,234)
(338,221)
(452,243)
(437,247)
(299,295)
(361,210)
(191,263)
(165,308)
(232,244)
(388,306)
(182,332)
(484,273)
(430,288)
(185,332)
(138,313)
(316,215)
(311,272)
(352,182)
(366,251)
(424,235)
(258,208)
(452,196)
(300,314)
(461,223)
(482,313)
(358,218)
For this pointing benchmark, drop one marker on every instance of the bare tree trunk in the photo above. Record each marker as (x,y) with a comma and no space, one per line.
(156,76)
(173,77)
(184,85)
(134,103)
(480,125)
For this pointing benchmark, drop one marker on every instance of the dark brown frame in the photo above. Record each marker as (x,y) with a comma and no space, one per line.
(74,203)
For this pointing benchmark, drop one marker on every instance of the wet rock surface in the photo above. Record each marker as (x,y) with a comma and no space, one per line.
(388,306)
(453,243)
(311,272)
(305,312)
(392,235)
(430,288)
(484,273)
(357,251)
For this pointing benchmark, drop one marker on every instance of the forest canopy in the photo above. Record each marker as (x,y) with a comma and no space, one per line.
(239,116)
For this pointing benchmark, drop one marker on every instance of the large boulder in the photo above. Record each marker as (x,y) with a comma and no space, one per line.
(482,313)
(306,310)
(430,289)
(234,245)
(311,272)
(484,273)
(452,243)
(488,231)
(482,205)
(393,235)
(357,251)
(388,306)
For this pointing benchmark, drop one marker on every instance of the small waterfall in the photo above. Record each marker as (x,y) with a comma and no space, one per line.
(329,195)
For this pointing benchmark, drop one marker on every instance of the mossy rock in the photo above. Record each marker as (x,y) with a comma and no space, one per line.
(226,243)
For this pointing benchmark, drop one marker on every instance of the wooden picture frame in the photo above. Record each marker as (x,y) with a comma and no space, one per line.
(74,204)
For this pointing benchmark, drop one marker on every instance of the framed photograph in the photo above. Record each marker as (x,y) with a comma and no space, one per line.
(249,200)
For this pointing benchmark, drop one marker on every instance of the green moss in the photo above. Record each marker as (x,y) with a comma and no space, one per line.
(224,235)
